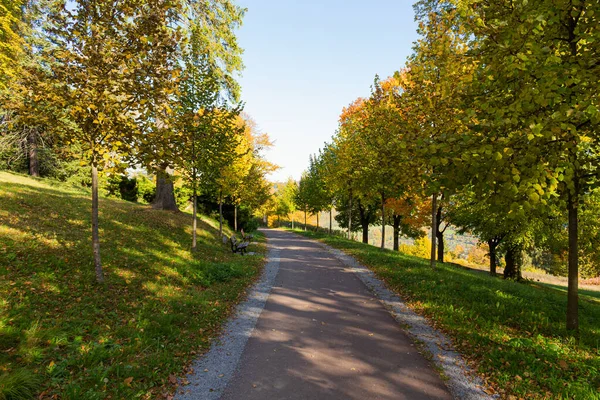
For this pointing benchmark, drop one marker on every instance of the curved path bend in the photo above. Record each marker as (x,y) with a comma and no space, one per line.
(321,335)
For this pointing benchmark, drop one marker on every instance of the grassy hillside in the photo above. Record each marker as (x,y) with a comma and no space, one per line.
(62,336)
(514,333)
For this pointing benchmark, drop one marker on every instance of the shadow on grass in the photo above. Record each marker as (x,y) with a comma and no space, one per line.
(85,341)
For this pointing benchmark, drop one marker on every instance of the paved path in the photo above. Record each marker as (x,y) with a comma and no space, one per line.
(323,335)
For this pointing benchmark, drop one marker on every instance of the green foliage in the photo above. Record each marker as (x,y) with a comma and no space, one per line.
(20,384)
(146,188)
(122,187)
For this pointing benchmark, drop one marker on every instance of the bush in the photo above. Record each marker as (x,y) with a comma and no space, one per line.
(146,188)
(122,187)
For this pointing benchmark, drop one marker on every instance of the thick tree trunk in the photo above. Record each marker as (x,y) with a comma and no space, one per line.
(165,197)
(95,231)
(433,228)
(572,291)
(512,270)
(235,218)
(220,213)
(492,244)
(365,232)
(279,221)
(330,220)
(397,220)
(32,144)
(382,220)
(364,223)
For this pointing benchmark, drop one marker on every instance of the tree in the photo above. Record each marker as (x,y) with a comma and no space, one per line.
(285,199)
(209,28)
(11,40)
(536,77)
(408,216)
(302,198)
(433,81)
(101,61)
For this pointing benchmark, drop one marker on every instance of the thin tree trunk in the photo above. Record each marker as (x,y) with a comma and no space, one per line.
(194,220)
(317,221)
(95,231)
(330,220)
(292,220)
(34,165)
(305,220)
(572,291)
(235,218)
(439,235)
(220,213)
(382,220)
(492,244)
(433,228)
(350,217)
(165,196)
(397,220)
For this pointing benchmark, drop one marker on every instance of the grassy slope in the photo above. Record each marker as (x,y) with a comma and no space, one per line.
(60,334)
(514,333)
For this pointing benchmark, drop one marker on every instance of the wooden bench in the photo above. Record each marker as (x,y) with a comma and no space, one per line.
(246,238)
(238,247)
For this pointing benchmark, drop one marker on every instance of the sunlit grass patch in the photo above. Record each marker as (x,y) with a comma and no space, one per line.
(63,336)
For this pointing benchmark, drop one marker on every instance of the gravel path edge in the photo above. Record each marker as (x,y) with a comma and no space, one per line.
(462,381)
(214,369)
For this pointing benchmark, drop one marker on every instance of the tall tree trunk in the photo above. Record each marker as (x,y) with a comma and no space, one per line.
(220,213)
(95,231)
(365,232)
(513,263)
(279,221)
(194,220)
(317,221)
(382,220)
(350,216)
(433,228)
(305,220)
(572,291)
(364,223)
(292,220)
(235,217)
(492,244)
(165,196)
(330,220)
(32,144)
(439,235)
(397,220)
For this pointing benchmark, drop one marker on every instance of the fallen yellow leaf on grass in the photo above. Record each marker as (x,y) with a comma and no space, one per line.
(128,381)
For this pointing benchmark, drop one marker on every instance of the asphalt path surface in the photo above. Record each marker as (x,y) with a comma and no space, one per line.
(323,335)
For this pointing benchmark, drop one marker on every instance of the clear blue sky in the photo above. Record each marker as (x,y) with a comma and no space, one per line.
(307,59)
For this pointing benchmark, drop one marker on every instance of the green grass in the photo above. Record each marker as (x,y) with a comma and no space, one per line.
(63,336)
(513,333)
